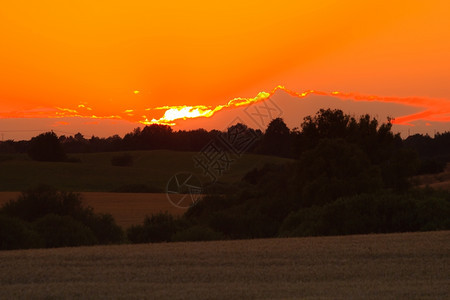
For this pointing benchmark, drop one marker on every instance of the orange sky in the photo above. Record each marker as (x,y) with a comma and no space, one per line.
(122,59)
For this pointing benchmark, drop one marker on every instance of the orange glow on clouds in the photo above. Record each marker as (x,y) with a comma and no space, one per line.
(437,110)
(164,61)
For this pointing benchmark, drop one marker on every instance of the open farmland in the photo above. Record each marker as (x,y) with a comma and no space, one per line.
(126,208)
(436,181)
(94,172)
(388,266)
(95,178)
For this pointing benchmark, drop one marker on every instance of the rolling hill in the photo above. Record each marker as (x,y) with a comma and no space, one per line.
(94,172)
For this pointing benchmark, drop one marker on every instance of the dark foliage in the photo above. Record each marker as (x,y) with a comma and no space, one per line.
(64,231)
(196,233)
(46,147)
(104,227)
(372,213)
(10,146)
(334,168)
(156,228)
(431,166)
(434,153)
(376,140)
(17,234)
(350,175)
(277,139)
(42,200)
(45,207)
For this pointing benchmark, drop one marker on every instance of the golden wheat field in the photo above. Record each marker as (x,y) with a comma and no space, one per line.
(385,266)
(126,208)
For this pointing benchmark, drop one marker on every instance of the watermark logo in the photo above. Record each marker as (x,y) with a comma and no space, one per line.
(217,156)
(263,112)
(184,189)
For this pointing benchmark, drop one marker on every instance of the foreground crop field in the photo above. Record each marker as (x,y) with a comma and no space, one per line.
(126,208)
(391,266)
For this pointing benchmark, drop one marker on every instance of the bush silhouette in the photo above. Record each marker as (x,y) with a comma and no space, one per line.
(431,166)
(104,228)
(46,147)
(196,233)
(42,201)
(17,234)
(156,228)
(372,213)
(64,231)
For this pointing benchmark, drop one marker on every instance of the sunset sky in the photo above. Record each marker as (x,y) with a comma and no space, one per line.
(105,67)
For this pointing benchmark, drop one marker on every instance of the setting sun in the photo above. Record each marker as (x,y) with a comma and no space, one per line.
(99,60)
(234,149)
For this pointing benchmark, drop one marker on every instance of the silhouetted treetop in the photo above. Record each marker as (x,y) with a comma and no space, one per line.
(277,139)
(46,147)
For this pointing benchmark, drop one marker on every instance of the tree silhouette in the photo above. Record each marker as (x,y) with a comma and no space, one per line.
(46,147)
(277,139)
(156,137)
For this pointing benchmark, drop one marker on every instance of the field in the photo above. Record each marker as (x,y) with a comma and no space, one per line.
(95,178)
(96,174)
(388,266)
(436,181)
(126,208)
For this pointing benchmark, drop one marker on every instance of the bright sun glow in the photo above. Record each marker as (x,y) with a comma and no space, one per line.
(97,59)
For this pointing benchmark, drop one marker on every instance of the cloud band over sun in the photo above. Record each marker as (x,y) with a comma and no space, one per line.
(140,62)
(434,110)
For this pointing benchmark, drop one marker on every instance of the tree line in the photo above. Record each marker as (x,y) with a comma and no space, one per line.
(277,139)
(348,176)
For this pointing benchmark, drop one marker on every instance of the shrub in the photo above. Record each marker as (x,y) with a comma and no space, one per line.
(46,147)
(335,168)
(105,229)
(122,160)
(372,213)
(431,166)
(42,200)
(196,233)
(237,223)
(64,231)
(136,234)
(156,228)
(17,234)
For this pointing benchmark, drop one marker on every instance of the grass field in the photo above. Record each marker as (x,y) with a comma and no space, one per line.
(391,266)
(95,177)
(436,181)
(96,174)
(126,208)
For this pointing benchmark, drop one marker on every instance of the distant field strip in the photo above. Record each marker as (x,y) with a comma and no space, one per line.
(126,208)
(383,266)
(94,172)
